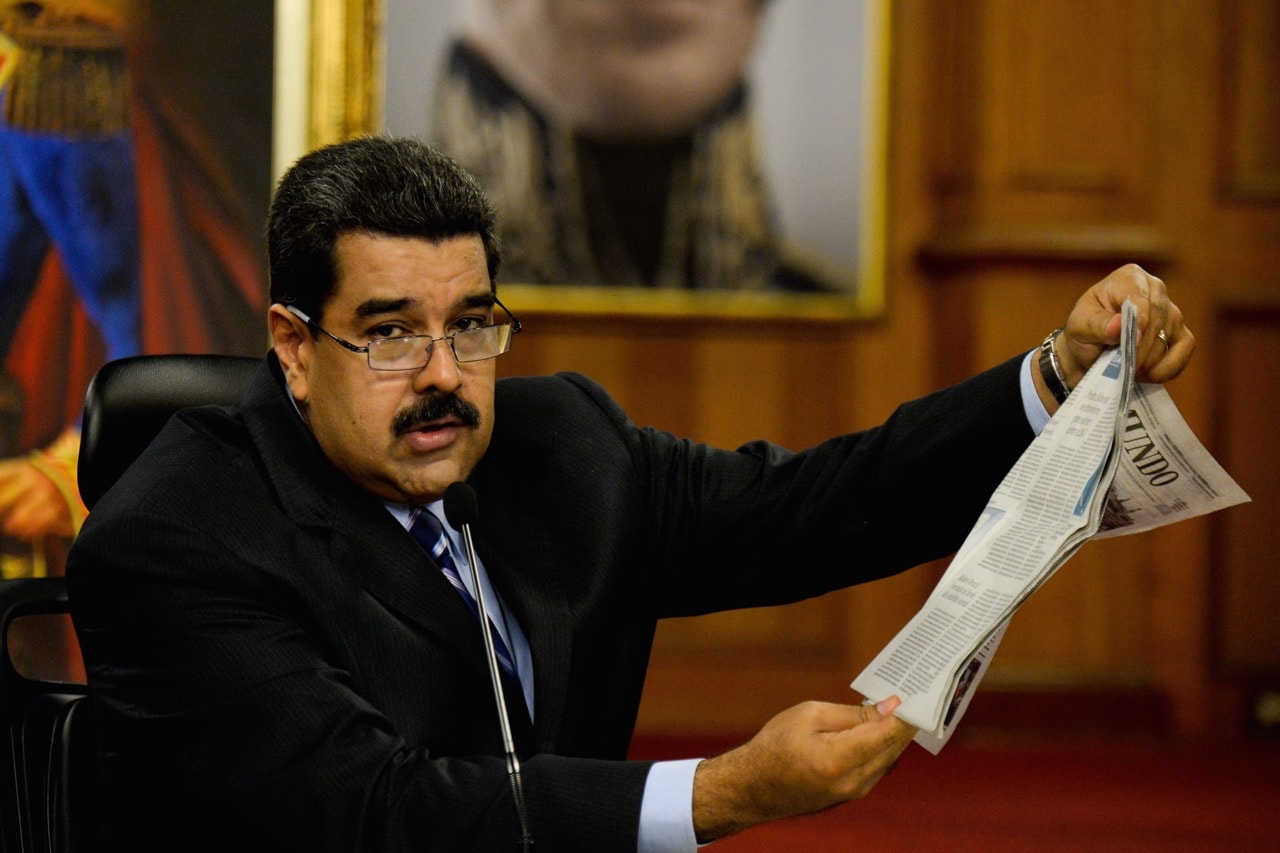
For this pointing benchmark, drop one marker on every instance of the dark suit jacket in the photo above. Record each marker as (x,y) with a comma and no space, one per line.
(276,664)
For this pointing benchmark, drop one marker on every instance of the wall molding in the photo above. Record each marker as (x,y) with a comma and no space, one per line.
(990,243)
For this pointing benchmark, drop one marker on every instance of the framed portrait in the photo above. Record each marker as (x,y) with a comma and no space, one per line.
(786,218)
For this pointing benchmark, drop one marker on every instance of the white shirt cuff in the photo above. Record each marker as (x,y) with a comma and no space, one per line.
(1037,414)
(666,812)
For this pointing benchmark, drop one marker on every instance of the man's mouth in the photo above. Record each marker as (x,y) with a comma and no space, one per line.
(434,426)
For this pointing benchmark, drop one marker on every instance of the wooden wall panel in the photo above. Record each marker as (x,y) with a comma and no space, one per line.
(1056,111)
(1247,577)
(1068,111)
(1251,130)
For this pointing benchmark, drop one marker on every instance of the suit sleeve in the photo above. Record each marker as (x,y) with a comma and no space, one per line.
(761,525)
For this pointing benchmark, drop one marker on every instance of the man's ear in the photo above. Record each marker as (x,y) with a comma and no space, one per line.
(291,340)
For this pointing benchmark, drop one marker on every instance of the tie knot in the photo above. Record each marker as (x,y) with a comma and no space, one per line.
(429,532)
(427,519)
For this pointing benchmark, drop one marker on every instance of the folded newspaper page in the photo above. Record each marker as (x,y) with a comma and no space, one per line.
(1116,458)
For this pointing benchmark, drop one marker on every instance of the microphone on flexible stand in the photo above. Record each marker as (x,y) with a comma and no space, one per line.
(462,509)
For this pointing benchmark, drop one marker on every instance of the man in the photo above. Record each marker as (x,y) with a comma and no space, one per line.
(276,663)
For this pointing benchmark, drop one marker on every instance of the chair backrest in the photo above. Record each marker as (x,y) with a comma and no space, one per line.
(130,399)
(47,793)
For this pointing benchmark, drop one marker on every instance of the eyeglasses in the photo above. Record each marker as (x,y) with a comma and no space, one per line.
(413,352)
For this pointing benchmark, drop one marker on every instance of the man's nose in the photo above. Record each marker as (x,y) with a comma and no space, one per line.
(441,372)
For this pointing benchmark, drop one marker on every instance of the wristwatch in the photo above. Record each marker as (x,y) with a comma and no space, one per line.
(1051,370)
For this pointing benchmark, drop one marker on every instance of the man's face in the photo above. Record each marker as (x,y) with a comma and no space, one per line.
(630,69)
(402,435)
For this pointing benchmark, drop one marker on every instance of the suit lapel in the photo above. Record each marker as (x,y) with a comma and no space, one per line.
(400,574)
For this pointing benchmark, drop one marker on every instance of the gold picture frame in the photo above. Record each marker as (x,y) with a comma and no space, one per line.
(329,74)
(337,90)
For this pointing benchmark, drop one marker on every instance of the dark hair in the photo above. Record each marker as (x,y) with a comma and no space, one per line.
(395,186)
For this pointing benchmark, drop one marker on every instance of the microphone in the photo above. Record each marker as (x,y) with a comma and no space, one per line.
(462,509)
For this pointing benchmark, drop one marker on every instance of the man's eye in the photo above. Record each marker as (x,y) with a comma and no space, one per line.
(386,331)
(467,324)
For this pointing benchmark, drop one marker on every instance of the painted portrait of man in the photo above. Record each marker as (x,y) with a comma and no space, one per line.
(134,170)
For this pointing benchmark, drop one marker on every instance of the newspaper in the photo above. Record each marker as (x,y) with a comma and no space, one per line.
(1116,458)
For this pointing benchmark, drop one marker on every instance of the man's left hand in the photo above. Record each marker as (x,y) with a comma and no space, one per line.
(1165,344)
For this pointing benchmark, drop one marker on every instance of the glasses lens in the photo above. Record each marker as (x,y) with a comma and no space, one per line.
(406,353)
(480,344)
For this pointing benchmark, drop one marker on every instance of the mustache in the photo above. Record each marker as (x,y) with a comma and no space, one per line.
(434,409)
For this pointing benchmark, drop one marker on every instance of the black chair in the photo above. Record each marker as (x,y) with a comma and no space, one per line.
(46,802)
(47,759)
(130,399)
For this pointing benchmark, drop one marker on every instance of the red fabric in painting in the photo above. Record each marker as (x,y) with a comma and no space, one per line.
(203,282)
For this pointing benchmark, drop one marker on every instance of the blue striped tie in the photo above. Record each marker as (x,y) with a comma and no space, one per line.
(427,529)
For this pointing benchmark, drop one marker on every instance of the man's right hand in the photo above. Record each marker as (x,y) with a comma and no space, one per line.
(807,758)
